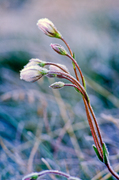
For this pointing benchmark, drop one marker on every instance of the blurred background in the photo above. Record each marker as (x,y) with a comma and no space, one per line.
(44,129)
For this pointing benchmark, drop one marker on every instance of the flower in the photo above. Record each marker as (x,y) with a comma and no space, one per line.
(57,85)
(57,69)
(32,73)
(59,49)
(48,28)
(33,62)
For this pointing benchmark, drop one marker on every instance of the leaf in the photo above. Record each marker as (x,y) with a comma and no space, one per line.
(105,154)
(73,55)
(73,62)
(97,153)
(84,83)
(73,65)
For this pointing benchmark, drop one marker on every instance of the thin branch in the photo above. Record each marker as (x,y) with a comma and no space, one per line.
(64,75)
(112,171)
(74,61)
(47,172)
(91,110)
(82,90)
(94,134)
(70,51)
(96,124)
(67,46)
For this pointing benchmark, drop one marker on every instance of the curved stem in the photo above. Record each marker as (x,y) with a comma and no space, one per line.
(93,129)
(87,105)
(96,124)
(74,61)
(65,75)
(91,110)
(75,86)
(82,90)
(55,172)
(112,171)
(75,71)
(70,51)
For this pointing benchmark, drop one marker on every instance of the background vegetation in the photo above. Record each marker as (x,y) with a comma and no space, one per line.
(40,128)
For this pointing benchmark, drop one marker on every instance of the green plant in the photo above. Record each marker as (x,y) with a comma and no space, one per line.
(35,70)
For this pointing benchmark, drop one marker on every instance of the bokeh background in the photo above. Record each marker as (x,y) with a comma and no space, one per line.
(44,129)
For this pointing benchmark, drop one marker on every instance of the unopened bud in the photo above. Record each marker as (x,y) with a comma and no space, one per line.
(32,73)
(57,69)
(48,28)
(33,62)
(57,85)
(59,49)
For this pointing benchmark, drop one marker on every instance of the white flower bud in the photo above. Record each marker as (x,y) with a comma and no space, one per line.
(56,69)
(33,62)
(57,85)
(48,28)
(32,73)
(59,49)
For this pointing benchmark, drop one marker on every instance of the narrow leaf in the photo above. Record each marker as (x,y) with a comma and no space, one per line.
(73,55)
(78,90)
(84,83)
(73,65)
(105,154)
(73,62)
(97,153)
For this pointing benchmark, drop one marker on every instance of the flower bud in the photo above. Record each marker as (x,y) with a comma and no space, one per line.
(56,69)
(33,62)
(57,85)
(59,49)
(48,28)
(32,73)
